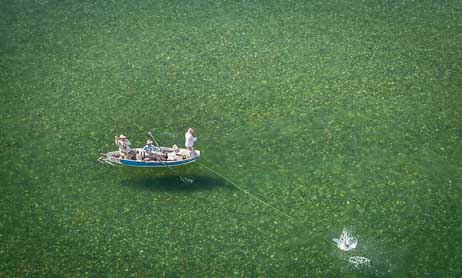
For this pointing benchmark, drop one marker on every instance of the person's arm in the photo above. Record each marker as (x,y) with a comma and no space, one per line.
(116,140)
(190,137)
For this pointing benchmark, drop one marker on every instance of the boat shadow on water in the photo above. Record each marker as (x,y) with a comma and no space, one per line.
(173,183)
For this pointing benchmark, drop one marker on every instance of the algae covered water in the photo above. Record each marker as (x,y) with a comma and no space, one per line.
(337,113)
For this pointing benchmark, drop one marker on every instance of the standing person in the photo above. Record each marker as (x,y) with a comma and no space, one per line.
(189,141)
(124,146)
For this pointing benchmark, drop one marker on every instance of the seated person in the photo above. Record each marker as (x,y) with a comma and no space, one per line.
(124,146)
(149,151)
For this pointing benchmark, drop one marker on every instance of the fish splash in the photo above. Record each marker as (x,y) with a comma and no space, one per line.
(346,242)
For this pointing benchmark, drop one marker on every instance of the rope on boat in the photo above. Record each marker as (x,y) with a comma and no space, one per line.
(245,191)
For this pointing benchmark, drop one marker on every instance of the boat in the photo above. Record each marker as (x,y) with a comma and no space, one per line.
(164,157)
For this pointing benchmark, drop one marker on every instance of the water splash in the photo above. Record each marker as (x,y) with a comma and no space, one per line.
(346,242)
(358,261)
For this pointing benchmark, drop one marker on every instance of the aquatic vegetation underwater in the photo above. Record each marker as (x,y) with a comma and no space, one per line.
(332,113)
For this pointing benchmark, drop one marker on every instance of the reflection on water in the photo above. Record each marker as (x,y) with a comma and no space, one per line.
(187,179)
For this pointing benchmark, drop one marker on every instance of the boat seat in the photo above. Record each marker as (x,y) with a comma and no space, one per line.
(171,156)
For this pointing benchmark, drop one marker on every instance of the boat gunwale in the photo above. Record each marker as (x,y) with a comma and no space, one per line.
(150,164)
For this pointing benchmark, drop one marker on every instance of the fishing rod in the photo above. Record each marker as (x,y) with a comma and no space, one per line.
(150,134)
(157,144)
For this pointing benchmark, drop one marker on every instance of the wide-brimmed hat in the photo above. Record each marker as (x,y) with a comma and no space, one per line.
(149,142)
(122,136)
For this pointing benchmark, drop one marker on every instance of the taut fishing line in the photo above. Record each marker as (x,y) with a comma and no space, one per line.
(245,191)
(230,181)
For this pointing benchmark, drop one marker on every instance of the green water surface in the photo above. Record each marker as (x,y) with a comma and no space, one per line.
(338,113)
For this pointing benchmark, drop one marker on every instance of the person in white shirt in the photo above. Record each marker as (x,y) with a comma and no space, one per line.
(189,141)
(124,146)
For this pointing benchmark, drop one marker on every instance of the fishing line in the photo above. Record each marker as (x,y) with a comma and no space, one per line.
(233,183)
(245,191)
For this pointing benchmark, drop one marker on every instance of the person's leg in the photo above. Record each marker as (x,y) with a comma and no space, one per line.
(191,152)
(132,154)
